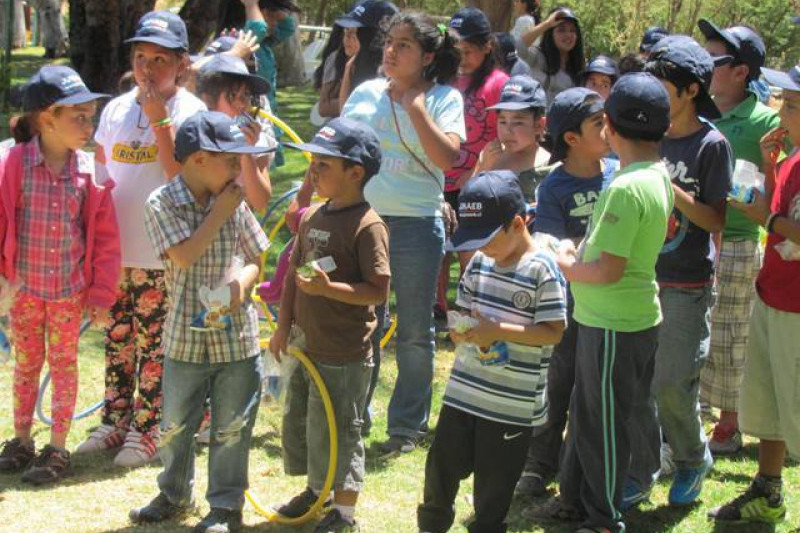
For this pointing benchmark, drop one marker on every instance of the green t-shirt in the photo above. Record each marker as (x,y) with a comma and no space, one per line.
(630,221)
(744,126)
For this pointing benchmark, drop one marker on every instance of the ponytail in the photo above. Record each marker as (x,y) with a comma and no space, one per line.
(24,127)
(533,9)
(432,38)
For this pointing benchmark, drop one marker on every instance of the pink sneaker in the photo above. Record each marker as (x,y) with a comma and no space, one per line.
(103,438)
(138,450)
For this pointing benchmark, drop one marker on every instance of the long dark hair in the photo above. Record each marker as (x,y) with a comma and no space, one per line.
(533,9)
(332,46)
(575,60)
(432,38)
(370,55)
(489,61)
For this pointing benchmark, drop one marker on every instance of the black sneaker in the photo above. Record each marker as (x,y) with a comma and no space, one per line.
(334,522)
(49,466)
(397,445)
(532,485)
(220,521)
(158,510)
(16,456)
(300,504)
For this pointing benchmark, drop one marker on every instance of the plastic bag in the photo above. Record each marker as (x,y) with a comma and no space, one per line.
(496,354)
(788,250)
(746,179)
(217,302)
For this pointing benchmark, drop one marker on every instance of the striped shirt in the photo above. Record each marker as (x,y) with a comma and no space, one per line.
(529,292)
(171,217)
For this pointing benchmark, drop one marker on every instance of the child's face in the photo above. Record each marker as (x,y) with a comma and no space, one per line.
(329,176)
(235,101)
(518,130)
(726,78)
(72,125)
(565,36)
(504,244)
(790,115)
(402,54)
(599,83)
(591,142)
(220,170)
(679,104)
(153,64)
(472,56)
(350,42)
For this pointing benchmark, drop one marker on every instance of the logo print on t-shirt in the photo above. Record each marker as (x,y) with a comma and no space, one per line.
(134,153)
(522,299)
(318,240)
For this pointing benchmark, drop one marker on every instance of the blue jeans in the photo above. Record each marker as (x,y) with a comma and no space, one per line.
(235,391)
(416,248)
(683,344)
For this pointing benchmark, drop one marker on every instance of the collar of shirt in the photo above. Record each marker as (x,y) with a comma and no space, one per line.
(76,165)
(181,195)
(744,109)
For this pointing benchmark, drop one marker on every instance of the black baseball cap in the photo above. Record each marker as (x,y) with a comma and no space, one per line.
(687,54)
(163,28)
(368,14)
(566,13)
(212,131)
(602,65)
(521,92)
(56,85)
(747,44)
(486,203)
(788,81)
(506,47)
(639,102)
(651,36)
(220,45)
(235,66)
(348,139)
(470,22)
(568,110)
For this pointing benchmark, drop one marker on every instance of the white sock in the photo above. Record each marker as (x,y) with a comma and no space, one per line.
(348,513)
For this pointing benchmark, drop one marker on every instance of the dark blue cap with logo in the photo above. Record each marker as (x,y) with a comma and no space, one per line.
(687,54)
(488,201)
(521,92)
(565,13)
(56,85)
(212,131)
(368,13)
(568,110)
(640,103)
(235,66)
(162,28)
(602,65)
(788,81)
(348,139)
(747,45)
(470,22)
(220,45)
(651,36)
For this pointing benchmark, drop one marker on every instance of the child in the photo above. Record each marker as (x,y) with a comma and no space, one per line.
(650,38)
(529,15)
(565,203)
(60,244)
(515,293)
(507,57)
(700,163)
(600,75)
(520,122)
(333,311)
(135,145)
(612,278)
(207,237)
(771,380)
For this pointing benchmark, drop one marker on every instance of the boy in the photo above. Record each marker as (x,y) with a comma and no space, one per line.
(200,228)
(334,311)
(744,121)
(565,201)
(600,75)
(771,378)
(700,164)
(516,295)
(612,278)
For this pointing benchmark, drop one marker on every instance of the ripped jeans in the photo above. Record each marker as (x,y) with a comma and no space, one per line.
(235,391)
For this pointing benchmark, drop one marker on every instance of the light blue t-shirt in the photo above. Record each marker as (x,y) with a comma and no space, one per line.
(403,187)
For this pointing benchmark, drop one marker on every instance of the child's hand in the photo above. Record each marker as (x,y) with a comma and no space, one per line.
(771,145)
(484,334)
(567,255)
(413,98)
(457,337)
(490,155)
(554,19)
(153,105)
(237,295)
(757,210)
(246,44)
(279,343)
(98,316)
(317,285)
(228,200)
(251,131)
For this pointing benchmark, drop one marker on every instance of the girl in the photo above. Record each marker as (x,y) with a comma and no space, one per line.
(60,244)
(420,120)
(529,16)
(328,76)
(135,143)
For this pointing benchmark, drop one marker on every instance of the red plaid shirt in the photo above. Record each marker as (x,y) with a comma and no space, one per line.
(51,235)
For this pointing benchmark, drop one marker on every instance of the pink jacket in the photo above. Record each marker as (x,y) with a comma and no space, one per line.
(103,262)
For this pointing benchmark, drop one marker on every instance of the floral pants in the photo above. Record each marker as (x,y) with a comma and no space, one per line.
(35,322)
(134,356)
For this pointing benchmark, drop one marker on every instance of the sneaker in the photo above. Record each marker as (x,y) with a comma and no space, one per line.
(15,456)
(334,522)
(531,485)
(759,503)
(49,466)
(220,521)
(667,462)
(632,495)
(726,440)
(300,504)
(553,510)
(138,450)
(158,510)
(103,438)
(688,483)
(397,445)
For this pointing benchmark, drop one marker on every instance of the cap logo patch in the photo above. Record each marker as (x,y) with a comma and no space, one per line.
(456,22)
(470,209)
(358,11)
(513,88)
(327,133)
(72,83)
(236,133)
(642,117)
(155,24)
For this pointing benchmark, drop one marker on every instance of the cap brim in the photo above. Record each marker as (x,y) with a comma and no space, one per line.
(257,83)
(604,71)
(466,239)
(81,98)
(706,107)
(722,60)
(712,31)
(166,43)
(515,106)
(779,79)
(244,149)
(314,149)
(347,22)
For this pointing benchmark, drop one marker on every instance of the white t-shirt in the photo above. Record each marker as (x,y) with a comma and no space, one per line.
(523,25)
(131,153)
(552,84)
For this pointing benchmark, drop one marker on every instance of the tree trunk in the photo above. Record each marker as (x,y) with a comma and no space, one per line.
(499,13)
(202,17)
(289,61)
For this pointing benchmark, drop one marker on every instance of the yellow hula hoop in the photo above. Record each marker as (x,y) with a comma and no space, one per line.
(273,516)
(285,127)
(389,333)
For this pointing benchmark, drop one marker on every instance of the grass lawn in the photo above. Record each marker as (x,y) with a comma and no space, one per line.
(97,496)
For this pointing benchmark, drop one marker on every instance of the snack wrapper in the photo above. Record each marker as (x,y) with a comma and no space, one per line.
(496,354)
(326,264)
(217,302)
(746,179)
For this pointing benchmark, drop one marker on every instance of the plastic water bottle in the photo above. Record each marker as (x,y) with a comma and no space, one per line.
(746,179)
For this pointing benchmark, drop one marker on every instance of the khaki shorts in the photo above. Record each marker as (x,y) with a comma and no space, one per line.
(770,396)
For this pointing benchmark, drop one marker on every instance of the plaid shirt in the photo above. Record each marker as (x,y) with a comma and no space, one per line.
(51,235)
(171,216)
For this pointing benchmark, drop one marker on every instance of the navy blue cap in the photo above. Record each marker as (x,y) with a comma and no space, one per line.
(602,65)
(348,139)
(566,13)
(687,54)
(747,44)
(368,13)
(163,28)
(639,102)
(235,66)
(568,110)
(486,203)
(53,85)
(212,131)
(651,36)
(220,45)
(521,92)
(470,22)
(789,81)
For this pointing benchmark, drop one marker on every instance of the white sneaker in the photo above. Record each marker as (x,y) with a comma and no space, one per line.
(103,438)
(138,450)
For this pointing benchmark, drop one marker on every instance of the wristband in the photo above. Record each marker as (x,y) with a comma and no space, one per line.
(163,123)
(770,224)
